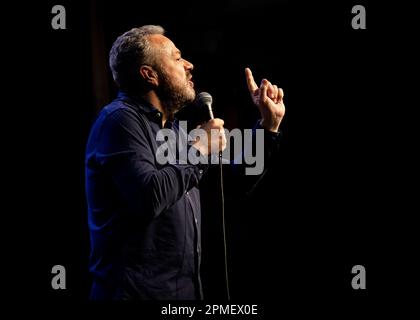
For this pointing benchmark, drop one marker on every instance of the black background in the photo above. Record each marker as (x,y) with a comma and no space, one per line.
(342,192)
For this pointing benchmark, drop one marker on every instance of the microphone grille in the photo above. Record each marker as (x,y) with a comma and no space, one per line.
(204,98)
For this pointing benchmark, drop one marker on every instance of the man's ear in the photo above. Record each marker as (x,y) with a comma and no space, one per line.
(149,75)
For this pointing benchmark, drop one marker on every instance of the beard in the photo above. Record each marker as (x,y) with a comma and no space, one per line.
(174,95)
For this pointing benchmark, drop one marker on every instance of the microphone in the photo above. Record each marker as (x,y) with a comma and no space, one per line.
(204,98)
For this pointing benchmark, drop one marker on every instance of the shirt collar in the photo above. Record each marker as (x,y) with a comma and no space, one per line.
(138,101)
(151,112)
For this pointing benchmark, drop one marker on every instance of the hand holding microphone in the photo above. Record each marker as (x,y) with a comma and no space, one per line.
(215,132)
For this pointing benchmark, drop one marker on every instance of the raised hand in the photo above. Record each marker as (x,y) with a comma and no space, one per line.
(269,100)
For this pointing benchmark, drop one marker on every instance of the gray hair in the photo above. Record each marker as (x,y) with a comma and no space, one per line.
(131,50)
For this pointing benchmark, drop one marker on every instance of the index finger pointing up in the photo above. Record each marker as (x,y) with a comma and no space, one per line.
(252,86)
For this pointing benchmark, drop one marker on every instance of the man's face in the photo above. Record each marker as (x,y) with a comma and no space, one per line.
(175,87)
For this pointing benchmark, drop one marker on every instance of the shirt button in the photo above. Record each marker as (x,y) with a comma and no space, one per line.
(187,192)
(158,114)
(201,171)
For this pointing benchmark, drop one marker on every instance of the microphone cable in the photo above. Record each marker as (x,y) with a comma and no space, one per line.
(224,225)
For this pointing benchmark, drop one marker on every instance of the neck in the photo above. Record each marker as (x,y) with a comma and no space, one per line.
(153,99)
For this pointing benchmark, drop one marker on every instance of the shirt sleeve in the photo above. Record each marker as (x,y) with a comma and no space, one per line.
(125,151)
(272,142)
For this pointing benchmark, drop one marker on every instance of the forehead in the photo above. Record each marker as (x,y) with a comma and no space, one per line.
(163,44)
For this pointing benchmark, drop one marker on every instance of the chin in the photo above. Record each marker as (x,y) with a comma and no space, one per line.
(190,95)
(193,95)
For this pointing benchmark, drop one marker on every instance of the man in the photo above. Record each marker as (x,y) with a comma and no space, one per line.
(144,217)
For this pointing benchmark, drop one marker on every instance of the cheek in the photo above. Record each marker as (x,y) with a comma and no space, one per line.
(182,75)
(180,72)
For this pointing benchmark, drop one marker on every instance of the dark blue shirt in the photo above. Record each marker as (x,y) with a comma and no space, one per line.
(144,218)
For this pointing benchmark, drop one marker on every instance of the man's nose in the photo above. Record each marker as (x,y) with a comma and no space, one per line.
(188,65)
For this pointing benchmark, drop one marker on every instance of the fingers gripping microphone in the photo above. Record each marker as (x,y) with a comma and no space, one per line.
(204,98)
